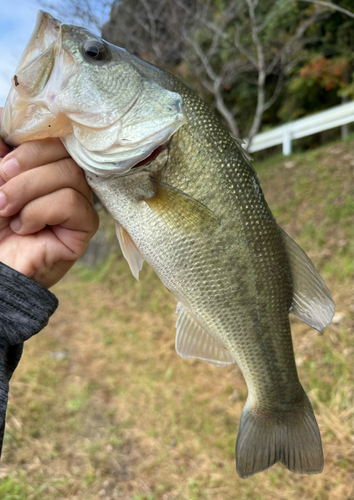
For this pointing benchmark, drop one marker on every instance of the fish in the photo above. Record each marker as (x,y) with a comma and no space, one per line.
(186,200)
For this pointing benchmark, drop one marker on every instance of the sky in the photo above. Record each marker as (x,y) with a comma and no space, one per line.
(17,20)
(16,24)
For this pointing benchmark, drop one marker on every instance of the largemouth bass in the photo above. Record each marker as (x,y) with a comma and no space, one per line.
(186,200)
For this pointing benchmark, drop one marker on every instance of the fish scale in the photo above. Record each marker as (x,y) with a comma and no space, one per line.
(254,213)
(186,199)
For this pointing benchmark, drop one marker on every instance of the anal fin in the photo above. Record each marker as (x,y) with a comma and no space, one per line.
(192,341)
(129,250)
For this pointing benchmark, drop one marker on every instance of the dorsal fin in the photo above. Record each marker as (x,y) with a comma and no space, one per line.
(312,301)
(244,153)
(192,341)
(129,250)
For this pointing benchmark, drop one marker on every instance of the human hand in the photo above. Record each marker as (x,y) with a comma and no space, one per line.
(46,210)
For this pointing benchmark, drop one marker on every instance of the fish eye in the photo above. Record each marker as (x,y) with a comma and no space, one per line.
(95,50)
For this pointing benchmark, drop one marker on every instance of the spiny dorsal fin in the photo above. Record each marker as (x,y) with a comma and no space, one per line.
(245,154)
(192,341)
(181,209)
(312,301)
(129,250)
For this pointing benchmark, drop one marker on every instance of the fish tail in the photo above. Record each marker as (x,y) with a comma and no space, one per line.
(292,438)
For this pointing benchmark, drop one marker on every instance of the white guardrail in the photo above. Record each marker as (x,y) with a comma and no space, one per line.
(325,120)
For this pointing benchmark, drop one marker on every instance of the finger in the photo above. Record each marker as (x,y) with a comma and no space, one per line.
(30,155)
(4,226)
(66,207)
(4,149)
(2,182)
(42,181)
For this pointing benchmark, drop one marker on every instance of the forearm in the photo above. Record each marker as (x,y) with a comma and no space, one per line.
(25,308)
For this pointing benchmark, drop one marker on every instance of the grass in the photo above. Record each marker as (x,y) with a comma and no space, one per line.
(102,407)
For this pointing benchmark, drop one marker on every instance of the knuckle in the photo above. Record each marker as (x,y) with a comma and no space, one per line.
(27,216)
(27,155)
(77,204)
(22,185)
(69,169)
(21,189)
(15,192)
(72,198)
(33,152)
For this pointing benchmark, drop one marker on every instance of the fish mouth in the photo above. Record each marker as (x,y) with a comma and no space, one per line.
(28,91)
(149,159)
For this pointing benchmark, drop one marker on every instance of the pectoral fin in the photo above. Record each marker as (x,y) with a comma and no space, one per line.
(312,301)
(192,341)
(130,251)
(180,209)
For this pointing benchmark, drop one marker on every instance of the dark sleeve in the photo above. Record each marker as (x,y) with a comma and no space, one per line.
(25,308)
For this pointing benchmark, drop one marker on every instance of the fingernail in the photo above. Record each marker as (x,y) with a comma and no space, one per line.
(11,167)
(3,201)
(15,224)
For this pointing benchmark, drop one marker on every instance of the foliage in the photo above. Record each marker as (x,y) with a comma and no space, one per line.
(323,76)
(257,63)
(245,55)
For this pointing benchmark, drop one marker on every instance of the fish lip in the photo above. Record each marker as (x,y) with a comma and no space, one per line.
(45,38)
(46,34)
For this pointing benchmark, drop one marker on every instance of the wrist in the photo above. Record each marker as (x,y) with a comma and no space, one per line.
(18,264)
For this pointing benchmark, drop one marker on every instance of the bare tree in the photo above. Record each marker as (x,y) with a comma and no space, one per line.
(169,31)
(265,66)
(333,6)
(220,45)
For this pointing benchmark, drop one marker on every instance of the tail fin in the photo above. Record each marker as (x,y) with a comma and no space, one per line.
(291,438)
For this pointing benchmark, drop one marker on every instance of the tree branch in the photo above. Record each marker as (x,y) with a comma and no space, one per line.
(261,71)
(331,6)
(297,36)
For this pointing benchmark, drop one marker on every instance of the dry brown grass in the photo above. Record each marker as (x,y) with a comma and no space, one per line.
(102,407)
